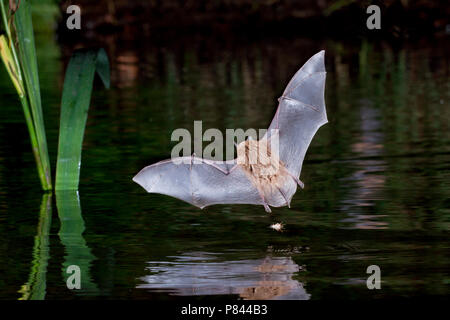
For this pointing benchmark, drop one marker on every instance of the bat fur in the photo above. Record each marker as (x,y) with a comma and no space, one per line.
(263,167)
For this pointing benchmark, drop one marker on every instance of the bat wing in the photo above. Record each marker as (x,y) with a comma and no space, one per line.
(200,182)
(301,112)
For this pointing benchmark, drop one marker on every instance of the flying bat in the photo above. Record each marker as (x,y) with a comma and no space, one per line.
(271,180)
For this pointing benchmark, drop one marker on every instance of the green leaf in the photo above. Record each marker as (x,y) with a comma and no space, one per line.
(27,56)
(76,97)
(103,67)
(10,65)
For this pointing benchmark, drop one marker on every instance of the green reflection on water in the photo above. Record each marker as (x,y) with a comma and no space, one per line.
(377,176)
(71,236)
(35,288)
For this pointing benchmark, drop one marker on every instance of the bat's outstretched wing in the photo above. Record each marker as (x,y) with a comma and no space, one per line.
(199,182)
(301,112)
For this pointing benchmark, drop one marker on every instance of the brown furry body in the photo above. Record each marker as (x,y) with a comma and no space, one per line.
(264,168)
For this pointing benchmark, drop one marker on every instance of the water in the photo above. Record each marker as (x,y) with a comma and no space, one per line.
(377,177)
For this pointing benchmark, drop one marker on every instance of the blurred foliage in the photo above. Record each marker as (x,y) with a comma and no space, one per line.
(344,17)
(45,14)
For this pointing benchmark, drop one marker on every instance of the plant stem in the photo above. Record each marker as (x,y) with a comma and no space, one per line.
(35,122)
(28,62)
(34,142)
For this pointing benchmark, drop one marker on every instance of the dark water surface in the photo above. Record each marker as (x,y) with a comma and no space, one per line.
(377,178)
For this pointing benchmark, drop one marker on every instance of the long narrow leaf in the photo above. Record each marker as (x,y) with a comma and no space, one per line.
(102,67)
(9,57)
(76,97)
(28,60)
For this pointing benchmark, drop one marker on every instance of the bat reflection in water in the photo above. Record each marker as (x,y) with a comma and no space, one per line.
(269,182)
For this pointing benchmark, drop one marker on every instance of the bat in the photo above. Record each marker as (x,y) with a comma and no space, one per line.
(272,180)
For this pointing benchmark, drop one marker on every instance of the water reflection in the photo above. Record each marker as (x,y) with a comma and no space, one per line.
(202,273)
(71,236)
(127,69)
(368,179)
(381,163)
(35,288)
